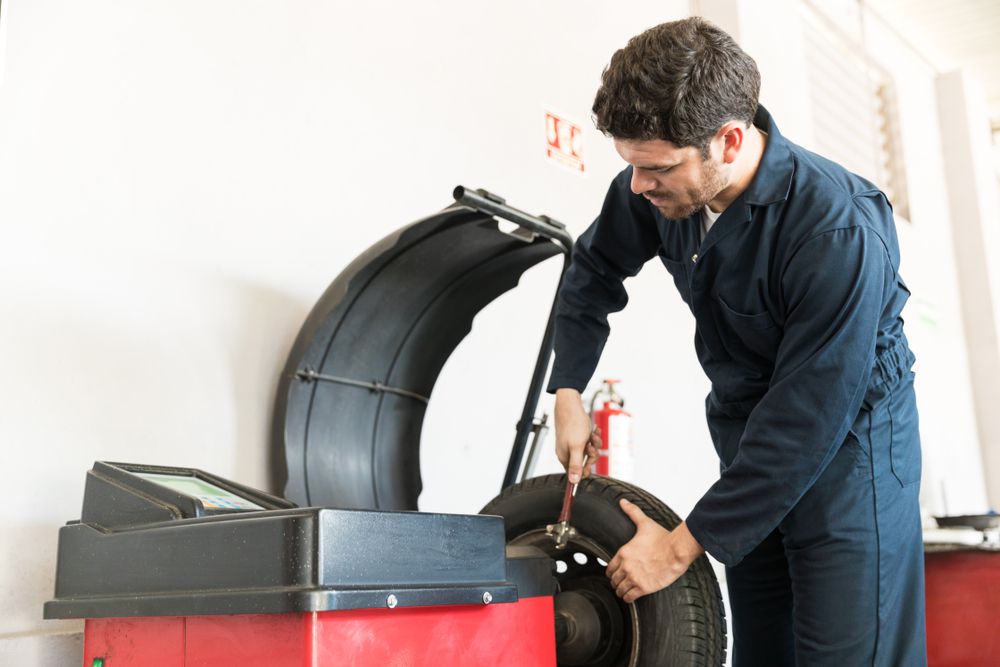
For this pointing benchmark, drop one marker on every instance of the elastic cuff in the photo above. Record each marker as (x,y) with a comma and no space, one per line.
(709,543)
(566,382)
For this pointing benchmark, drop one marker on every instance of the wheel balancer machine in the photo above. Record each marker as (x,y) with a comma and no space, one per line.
(175,567)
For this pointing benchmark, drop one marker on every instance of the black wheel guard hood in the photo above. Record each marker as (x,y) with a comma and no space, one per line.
(352,397)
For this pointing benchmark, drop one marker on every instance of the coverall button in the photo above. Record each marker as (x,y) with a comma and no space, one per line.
(694,258)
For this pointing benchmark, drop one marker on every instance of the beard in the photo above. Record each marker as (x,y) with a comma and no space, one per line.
(692,199)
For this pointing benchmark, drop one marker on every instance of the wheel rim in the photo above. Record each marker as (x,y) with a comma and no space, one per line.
(586,605)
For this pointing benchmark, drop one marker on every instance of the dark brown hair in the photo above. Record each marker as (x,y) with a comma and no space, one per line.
(679,81)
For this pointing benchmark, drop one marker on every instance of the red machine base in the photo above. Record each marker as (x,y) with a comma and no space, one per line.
(963,608)
(520,633)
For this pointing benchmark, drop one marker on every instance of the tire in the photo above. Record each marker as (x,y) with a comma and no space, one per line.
(683,624)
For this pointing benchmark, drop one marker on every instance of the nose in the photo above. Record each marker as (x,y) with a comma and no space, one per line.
(641,183)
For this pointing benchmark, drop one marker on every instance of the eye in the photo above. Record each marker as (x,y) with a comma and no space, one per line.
(663,170)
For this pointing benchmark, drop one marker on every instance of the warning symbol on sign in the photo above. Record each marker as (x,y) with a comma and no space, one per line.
(565,141)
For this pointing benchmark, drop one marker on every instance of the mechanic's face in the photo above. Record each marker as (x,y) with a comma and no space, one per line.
(678,181)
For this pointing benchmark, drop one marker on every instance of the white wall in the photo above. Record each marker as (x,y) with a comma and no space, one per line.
(975,216)
(953,481)
(179,181)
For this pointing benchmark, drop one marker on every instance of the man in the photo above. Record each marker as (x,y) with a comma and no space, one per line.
(788,263)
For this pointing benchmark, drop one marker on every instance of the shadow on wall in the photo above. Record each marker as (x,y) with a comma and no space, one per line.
(49,650)
(163,367)
(177,371)
(29,552)
(265,323)
(175,368)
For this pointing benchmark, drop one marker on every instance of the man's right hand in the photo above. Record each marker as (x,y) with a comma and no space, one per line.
(574,435)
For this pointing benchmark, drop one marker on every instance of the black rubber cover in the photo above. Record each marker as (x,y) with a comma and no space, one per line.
(393,316)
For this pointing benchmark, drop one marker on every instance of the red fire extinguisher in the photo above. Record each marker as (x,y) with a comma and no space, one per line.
(615,424)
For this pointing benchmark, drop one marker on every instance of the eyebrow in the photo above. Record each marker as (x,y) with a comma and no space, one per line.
(654,167)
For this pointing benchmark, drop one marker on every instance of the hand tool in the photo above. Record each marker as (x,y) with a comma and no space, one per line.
(561,531)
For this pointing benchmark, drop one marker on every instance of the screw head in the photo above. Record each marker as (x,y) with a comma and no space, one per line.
(391,602)
(487,598)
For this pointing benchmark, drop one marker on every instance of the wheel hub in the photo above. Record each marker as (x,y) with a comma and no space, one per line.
(594,628)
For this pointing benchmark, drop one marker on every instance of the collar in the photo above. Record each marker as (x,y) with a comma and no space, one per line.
(773,179)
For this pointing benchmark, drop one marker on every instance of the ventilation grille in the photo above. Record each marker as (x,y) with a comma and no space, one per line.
(854,108)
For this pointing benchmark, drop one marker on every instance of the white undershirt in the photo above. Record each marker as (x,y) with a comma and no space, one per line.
(708,218)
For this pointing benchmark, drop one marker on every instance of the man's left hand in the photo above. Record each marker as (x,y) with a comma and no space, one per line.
(653,559)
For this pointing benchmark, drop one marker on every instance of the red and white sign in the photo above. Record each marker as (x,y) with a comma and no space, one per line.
(565,141)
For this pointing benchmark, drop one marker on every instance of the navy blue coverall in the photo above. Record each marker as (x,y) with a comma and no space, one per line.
(797,298)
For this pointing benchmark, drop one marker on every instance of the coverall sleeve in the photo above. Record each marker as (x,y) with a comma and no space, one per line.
(615,246)
(833,288)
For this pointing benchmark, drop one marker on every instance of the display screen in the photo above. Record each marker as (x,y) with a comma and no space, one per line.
(211,496)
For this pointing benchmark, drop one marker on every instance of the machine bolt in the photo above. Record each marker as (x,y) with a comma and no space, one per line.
(391,602)
(487,598)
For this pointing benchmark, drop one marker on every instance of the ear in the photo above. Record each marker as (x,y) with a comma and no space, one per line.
(730,136)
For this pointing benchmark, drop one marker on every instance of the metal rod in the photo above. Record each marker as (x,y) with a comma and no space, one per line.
(487,202)
(310,375)
(534,389)
(540,428)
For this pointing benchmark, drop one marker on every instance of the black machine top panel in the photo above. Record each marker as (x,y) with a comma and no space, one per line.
(120,495)
(157,541)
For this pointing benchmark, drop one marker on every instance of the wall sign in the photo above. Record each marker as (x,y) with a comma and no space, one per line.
(564,142)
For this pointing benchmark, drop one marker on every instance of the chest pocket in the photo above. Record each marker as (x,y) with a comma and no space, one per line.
(678,270)
(758,333)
